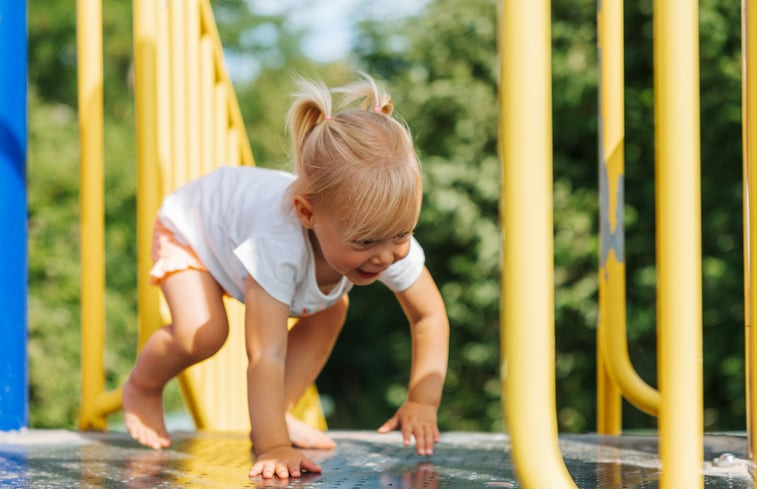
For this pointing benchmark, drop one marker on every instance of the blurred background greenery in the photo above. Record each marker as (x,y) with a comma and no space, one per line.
(440,64)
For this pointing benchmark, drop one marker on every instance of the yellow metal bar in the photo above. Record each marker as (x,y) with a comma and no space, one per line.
(149,180)
(609,400)
(678,209)
(189,123)
(109,402)
(178,38)
(232,138)
(192,396)
(207,81)
(609,405)
(528,273)
(235,115)
(611,335)
(163,73)
(220,123)
(193,88)
(749,135)
(90,87)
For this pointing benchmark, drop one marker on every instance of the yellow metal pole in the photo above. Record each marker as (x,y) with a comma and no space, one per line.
(749,135)
(90,86)
(528,298)
(163,69)
(178,39)
(678,209)
(231,110)
(609,400)
(233,155)
(192,36)
(609,405)
(207,82)
(148,175)
(611,335)
(221,123)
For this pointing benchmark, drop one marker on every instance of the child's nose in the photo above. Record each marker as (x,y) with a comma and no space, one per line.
(390,253)
(385,256)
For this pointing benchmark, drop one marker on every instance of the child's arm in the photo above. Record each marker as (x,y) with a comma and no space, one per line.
(266,340)
(424,308)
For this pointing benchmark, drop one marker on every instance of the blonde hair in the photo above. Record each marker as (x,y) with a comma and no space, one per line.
(359,163)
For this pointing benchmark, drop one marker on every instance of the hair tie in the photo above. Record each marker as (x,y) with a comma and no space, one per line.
(327,117)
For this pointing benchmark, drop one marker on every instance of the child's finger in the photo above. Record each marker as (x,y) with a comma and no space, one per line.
(407,434)
(420,440)
(256,470)
(311,466)
(425,441)
(390,425)
(263,469)
(281,470)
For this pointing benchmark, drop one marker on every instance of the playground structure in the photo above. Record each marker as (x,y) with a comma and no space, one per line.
(188,123)
(13,280)
(166,51)
(528,323)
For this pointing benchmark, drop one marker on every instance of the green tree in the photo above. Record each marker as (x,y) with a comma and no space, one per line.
(442,69)
(53,182)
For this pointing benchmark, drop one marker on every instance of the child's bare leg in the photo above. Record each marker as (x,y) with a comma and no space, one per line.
(198,330)
(308,347)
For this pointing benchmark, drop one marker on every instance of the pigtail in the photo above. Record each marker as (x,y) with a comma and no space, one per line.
(369,94)
(361,165)
(312,106)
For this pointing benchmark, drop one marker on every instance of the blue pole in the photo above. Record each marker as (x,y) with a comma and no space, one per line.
(13,258)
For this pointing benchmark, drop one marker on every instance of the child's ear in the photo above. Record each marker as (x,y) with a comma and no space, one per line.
(304,210)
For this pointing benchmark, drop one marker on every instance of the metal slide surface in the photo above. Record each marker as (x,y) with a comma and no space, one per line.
(362,460)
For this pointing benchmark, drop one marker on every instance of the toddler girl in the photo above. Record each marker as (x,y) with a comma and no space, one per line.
(294,245)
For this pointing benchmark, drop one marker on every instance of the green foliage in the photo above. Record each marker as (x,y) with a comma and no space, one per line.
(53,274)
(442,71)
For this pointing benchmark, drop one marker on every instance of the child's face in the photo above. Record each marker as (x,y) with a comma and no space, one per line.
(362,260)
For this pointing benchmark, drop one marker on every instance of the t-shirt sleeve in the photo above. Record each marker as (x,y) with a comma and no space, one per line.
(404,273)
(274,266)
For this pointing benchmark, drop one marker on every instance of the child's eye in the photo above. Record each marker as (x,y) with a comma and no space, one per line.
(365,243)
(403,236)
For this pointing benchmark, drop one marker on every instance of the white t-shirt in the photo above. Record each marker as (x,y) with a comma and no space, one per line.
(237,223)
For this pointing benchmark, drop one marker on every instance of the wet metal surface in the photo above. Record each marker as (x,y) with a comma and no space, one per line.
(362,460)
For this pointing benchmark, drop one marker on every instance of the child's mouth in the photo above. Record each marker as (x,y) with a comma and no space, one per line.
(367,275)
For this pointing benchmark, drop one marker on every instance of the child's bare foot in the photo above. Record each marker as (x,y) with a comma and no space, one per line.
(143,416)
(305,436)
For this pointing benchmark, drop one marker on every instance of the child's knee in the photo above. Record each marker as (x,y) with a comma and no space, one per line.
(205,342)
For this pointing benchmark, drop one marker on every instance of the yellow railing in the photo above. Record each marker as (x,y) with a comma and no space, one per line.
(615,374)
(679,249)
(188,123)
(749,136)
(528,303)
(96,402)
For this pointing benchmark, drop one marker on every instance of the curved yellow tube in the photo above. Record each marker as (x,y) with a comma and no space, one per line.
(528,301)
(611,334)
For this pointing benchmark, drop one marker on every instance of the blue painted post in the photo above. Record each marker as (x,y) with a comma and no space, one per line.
(13,229)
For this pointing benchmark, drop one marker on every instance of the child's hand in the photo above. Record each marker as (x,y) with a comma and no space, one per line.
(282,462)
(418,420)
